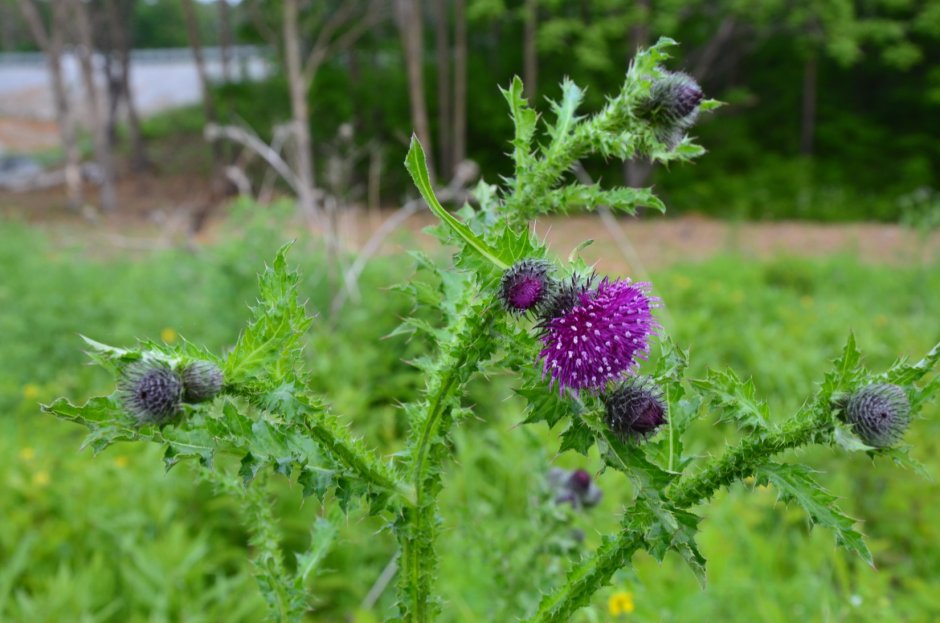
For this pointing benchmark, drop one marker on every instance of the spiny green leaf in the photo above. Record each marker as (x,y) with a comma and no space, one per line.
(590,197)
(795,483)
(734,400)
(269,349)
(578,437)
(566,110)
(524,119)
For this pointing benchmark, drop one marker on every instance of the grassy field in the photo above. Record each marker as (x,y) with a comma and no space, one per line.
(114,538)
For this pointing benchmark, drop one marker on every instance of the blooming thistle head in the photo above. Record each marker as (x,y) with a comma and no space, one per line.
(595,335)
(635,408)
(151,391)
(879,413)
(202,380)
(526,286)
(671,106)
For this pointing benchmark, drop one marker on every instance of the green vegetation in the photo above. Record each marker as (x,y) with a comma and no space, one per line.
(113,538)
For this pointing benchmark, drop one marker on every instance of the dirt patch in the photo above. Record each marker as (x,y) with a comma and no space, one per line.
(157,212)
(23,136)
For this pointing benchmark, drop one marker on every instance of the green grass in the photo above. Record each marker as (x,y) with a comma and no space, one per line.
(114,538)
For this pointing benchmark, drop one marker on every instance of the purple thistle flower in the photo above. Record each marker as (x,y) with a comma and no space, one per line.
(600,336)
(526,286)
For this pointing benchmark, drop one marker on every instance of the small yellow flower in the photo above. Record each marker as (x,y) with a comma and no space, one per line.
(27,453)
(41,478)
(168,335)
(121,461)
(30,391)
(620,602)
(806,300)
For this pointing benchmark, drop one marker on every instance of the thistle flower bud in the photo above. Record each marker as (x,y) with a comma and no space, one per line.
(879,413)
(526,286)
(574,487)
(671,107)
(151,392)
(635,408)
(202,380)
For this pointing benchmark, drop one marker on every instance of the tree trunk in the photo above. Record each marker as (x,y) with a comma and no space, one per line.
(120,20)
(636,172)
(530,52)
(808,120)
(225,39)
(412,33)
(208,102)
(299,86)
(460,82)
(445,127)
(103,154)
(50,41)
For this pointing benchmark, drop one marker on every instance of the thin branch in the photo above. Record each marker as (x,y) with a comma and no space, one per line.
(214,132)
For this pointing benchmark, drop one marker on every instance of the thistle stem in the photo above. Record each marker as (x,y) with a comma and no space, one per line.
(415,527)
(737,462)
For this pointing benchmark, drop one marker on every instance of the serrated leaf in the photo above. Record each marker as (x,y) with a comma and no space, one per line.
(734,400)
(269,349)
(578,437)
(322,535)
(543,405)
(524,119)
(591,197)
(672,529)
(566,110)
(795,483)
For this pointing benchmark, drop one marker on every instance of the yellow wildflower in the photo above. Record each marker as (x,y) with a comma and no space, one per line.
(120,461)
(620,602)
(27,453)
(41,478)
(30,391)
(168,335)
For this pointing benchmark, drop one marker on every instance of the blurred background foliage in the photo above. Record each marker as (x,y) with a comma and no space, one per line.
(832,105)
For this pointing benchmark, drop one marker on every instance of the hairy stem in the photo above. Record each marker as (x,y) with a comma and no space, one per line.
(737,462)
(416,527)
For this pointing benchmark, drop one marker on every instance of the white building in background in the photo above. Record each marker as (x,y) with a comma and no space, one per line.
(160,79)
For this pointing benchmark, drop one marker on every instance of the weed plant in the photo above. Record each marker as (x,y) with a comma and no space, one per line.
(571,345)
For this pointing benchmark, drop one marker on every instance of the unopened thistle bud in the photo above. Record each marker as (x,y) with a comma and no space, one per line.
(202,380)
(671,107)
(635,408)
(879,413)
(151,391)
(526,286)
(576,488)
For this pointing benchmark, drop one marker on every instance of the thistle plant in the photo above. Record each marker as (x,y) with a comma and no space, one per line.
(575,343)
